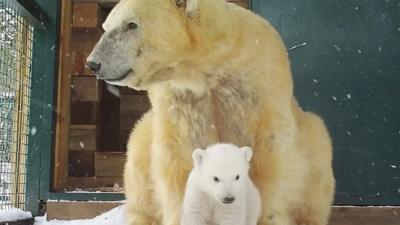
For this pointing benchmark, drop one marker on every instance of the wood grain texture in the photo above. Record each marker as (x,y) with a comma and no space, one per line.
(80,164)
(84,113)
(63,99)
(109,118)
(85,89)
(109,164)
(77,210)
(136,104)
(85,39)
(340,215)
(365,216)
(95,183)
(86,15)
(79,64)
(83,138)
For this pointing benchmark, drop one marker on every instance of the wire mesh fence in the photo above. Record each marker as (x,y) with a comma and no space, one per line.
(15,80)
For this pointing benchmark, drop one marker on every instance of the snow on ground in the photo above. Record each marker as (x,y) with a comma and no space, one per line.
(13,214)
(115,216)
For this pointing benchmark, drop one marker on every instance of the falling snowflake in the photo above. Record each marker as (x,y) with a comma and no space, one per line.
(33,130)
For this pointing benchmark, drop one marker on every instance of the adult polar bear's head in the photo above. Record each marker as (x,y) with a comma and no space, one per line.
(150,41)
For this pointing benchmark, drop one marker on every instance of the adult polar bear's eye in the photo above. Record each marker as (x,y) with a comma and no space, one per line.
(132,25)
(237,177)
(216,179)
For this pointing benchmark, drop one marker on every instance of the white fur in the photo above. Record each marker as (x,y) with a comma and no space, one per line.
(203,201)
(191,7)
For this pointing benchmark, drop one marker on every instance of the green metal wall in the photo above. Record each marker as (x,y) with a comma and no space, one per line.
(347,69)
(44,77)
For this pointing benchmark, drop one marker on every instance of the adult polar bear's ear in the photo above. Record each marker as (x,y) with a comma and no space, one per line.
(190,6)
(198,157)
(248,152)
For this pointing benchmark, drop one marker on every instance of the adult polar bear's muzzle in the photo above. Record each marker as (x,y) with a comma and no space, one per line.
(110,59)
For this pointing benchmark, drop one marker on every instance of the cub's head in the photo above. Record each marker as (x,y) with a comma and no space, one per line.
(145,41)
(222,171)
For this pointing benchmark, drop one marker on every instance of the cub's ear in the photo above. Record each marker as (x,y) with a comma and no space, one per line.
(198,157)
(248,152)
(190,6)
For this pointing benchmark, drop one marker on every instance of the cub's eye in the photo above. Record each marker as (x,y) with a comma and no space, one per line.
(237,177)
(216,179)
(132,25)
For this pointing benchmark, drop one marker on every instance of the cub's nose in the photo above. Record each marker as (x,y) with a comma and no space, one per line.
(93,66)
(228,200)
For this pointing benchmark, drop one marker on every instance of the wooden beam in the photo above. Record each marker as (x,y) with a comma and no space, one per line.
(81,164)
(77,210)
(340,215)
(63,99)
(83,138)
(79,63)
(109,164)
(365,216)
(85,89)
(86,15)
(109,184)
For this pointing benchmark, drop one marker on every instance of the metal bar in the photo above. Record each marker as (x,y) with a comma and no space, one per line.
(31,11)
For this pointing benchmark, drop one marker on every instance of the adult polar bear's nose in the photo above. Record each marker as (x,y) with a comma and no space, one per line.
(93,66)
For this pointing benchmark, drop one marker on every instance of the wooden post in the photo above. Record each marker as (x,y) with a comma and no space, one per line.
(63,99)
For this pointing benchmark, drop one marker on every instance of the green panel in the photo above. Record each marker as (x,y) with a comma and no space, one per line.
(85,196)
(42,106)
(348,71)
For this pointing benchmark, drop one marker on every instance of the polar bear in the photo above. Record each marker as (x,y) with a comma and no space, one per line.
(219,190)
(214,73)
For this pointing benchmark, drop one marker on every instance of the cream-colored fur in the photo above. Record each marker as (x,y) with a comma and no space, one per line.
(218,73)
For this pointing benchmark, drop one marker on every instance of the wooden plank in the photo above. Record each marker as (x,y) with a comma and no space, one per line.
(340,215)
(80,164)
(83,138)
(63,99)
(108,164)
(109,117)
(78,210)
(134,104)
(86,15)
(95,183)
(85,39)
(84,113)
(79,63)
(365,216)
(85,89)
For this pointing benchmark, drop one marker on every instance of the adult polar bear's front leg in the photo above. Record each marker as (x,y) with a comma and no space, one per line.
(142,210)
(170,166)
(277,167)
(169,171)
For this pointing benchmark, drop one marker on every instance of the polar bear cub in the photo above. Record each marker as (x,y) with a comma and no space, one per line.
(219,190)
